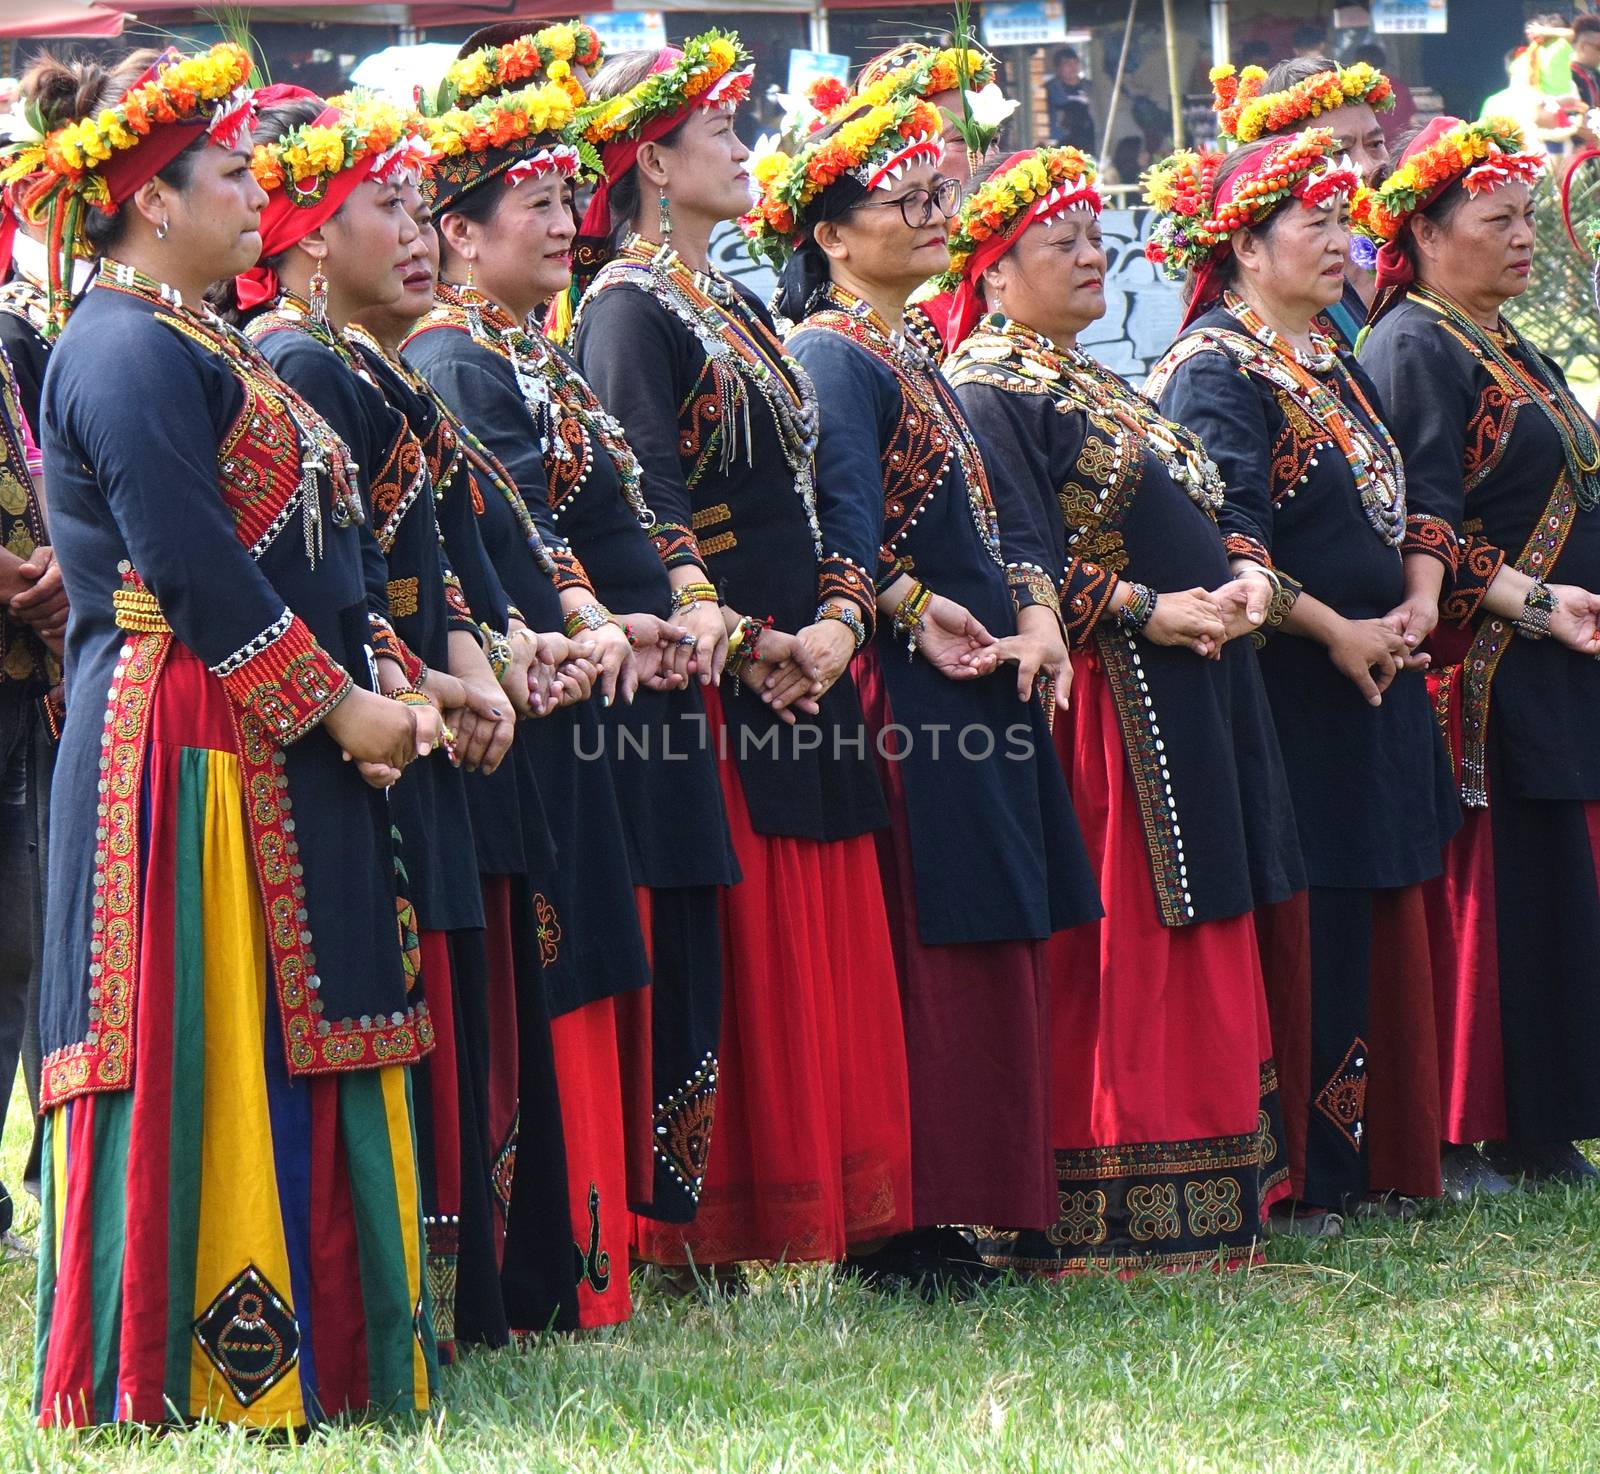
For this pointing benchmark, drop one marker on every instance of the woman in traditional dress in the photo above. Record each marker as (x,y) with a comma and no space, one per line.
(810,1158)
(507,212)
(983,860)
(1165,1121)
(335,242)
(1501,452)
(1305,90)
(1316,492)
(232,1224)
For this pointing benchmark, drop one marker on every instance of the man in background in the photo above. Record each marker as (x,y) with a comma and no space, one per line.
(1071,119)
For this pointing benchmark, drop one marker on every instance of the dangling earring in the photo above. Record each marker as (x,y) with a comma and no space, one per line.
(472,300)
(319,295)
(161,230)
(664,206)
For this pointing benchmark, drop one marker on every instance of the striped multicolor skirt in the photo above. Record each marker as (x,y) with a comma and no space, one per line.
(216,1241)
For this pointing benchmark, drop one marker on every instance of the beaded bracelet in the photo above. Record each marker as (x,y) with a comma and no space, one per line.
(908,615)
(694,593)
(1537,606)
(409,696)
(847,617)
(586,617)
(1141,605)
(498,649)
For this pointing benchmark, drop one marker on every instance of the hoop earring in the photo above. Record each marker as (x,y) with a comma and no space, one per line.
(664,219)
(161,230)
(319,296)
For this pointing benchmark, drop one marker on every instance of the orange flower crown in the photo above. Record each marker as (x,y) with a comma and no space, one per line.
(918,70)
(368,129)
(713,66)
(1484,155)
(1195,225)
(876,147)
(1245,113)
(1058,179)
(553,51)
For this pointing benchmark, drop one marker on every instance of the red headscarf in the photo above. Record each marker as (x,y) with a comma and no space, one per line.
(1312,190)
(620,155)
(956,314)
(1394,266)
(288,219)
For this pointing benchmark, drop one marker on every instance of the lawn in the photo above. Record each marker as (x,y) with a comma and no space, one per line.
(1468,1339)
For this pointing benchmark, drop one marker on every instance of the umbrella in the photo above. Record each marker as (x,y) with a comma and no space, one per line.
(46,18)
(397,71)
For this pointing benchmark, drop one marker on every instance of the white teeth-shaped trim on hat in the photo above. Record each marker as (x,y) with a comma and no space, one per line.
(232,118)
(893,169)
(409,150)
(562,159)
(1064,199)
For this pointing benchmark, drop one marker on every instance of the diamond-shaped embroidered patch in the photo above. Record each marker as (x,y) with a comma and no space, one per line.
(250,1334)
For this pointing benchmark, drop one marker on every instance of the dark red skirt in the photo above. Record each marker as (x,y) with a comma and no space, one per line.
(977,1042)
(1164,1103)
(589,1081)
(1349,986)
(1515,928)
(811,1152)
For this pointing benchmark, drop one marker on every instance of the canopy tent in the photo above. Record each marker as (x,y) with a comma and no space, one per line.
(59,18)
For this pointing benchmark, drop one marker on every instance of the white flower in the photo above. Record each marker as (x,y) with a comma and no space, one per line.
(990,107)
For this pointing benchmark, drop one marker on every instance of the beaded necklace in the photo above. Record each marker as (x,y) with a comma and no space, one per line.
(1527,371)
(927,393)
(1075,381)
(449,310)
(741,353)
(320,449)
(292,313)
(557,397)
(1367,446)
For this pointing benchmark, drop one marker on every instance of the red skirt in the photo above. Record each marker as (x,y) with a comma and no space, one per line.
(1368,1118)
(811,1152)
(1164,1102)
(977,1043)
(589,1079)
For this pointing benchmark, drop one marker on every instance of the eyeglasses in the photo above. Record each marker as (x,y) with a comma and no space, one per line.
(917,207)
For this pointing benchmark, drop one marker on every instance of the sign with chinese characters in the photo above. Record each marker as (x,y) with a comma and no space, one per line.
(1023,22)
(1410,17)
(629,30)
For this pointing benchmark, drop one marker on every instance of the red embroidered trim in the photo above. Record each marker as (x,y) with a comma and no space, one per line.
(103,1059)
(1479,563)
(839,579)
(570,572)
(676,545)
(1433,537)
(312,1044)
(395,487)
(1241,545)
(291,684)
(386,643)
(1085,592)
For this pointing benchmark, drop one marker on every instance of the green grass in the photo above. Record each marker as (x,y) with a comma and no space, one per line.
(1469,1339)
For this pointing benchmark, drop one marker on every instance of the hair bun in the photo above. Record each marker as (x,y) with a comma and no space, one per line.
(59,90)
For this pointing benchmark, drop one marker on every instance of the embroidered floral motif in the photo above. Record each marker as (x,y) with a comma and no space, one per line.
(593,1264)
(1153,1212)
(1082,1219)
(547,927)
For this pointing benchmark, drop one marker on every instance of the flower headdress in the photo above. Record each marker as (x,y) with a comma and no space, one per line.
(314,168)
(1036,185)
(98,162)
(875,148)
(712,70)
(1245,113)
(914,69)
(491,69)
(1198,220)
(515,136)
(1483,155)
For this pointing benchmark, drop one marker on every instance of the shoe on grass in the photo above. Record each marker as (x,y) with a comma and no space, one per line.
(1465,1173)
(1305,1221)
(1556,1162)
